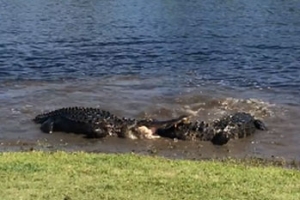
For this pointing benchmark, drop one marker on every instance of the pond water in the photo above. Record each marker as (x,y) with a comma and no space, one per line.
(152,58)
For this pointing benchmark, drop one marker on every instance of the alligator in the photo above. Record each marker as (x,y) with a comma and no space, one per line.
(98,123)
(219,132)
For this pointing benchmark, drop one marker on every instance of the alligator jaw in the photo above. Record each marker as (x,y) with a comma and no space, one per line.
(151,131)
(148,129)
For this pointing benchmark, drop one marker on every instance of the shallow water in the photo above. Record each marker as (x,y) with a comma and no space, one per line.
(133,97)
(158,59)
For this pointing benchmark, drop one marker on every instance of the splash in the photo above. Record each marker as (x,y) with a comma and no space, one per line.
(213,108)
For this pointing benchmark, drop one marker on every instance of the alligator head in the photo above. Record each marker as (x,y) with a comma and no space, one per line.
(149,128)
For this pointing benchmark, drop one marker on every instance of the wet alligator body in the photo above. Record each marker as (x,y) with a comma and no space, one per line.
(219,132)
(98,123)
(92,122)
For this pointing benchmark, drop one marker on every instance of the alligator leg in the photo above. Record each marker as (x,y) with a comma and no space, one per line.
(97,133)
(220,139)
(260,125)
(47,126)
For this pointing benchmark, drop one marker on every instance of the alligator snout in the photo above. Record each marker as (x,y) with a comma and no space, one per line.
(149,129)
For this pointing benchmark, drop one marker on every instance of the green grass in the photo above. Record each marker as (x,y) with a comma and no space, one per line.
(60,175)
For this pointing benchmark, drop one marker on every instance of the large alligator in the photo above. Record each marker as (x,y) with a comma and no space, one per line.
(219,132)
(98,123)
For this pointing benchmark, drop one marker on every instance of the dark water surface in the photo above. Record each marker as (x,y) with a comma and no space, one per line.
(152,58)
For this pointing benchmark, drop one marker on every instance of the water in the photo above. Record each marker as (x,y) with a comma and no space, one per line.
(157,59)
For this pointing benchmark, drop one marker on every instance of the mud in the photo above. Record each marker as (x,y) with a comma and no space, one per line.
(162,147)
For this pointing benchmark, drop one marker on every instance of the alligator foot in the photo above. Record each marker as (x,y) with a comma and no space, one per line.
(220,139)
(47,126)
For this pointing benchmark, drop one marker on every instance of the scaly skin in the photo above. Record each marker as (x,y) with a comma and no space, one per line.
(92,122)
(98,123)
(219,132)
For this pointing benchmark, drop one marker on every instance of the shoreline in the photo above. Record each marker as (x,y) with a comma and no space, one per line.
(177,150)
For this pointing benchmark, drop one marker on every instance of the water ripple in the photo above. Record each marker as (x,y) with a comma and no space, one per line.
(234,44)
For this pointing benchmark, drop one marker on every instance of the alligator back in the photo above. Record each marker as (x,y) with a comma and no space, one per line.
(93,122)
(77,114)
(238,125)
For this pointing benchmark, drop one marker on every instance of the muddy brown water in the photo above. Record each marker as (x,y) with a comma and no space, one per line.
(132,97)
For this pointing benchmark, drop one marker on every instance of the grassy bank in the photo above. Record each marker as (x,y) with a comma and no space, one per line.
(37,175)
